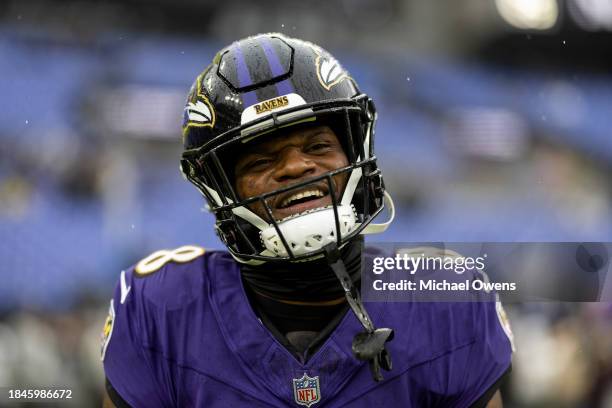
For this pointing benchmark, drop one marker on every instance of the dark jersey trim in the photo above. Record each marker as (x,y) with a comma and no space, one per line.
(314,345)
(115,397)
(486,397)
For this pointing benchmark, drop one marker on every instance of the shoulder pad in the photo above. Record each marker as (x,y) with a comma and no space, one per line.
(170,278)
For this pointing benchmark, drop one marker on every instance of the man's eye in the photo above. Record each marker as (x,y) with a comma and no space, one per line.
(318,147)
(259,162)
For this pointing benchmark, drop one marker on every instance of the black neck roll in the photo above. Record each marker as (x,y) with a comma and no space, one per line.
(313,281)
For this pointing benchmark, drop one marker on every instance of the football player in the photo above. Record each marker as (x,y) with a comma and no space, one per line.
(280,141)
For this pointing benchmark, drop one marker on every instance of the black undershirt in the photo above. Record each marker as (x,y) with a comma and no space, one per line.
(312,281)
(274,289)
(303,333)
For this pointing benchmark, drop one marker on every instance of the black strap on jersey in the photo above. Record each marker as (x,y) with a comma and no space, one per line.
(114,396)
(368,345)
(485,398)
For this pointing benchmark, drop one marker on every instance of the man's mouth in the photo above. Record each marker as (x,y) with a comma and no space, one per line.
(300,201)
(302,197)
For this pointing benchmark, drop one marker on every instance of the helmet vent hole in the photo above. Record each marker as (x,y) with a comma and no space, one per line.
(308,244)
(293,245)
(318,237)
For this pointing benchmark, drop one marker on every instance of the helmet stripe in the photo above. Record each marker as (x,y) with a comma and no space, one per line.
(244,77)
(284,87)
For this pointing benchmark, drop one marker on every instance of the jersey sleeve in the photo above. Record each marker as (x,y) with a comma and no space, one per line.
(134,371)
(481,365)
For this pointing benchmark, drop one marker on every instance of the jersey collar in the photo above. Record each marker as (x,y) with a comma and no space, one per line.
(262,356)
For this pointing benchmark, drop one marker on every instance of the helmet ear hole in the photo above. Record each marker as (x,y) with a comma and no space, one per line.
(184,165)
(187,168)
(370,110)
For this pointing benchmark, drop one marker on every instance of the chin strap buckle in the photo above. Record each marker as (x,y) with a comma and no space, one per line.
(368,345)
(371,347)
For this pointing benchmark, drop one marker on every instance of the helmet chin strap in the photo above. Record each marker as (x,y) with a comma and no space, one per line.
(382,227)
(368,345)
(263,226)
(347,197)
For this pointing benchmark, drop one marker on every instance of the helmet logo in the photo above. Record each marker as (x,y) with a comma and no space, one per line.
(276,104)
(268,105)
(329,71)
(199,113)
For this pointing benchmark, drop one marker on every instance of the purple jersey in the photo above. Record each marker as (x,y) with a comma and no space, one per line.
(181,332)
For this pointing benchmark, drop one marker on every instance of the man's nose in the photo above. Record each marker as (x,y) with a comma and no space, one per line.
(293,164)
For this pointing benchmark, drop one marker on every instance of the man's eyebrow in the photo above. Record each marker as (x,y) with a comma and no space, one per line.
(253,148)
(319,132)
(259,147)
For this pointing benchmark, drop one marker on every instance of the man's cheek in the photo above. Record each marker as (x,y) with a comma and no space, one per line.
(245,187)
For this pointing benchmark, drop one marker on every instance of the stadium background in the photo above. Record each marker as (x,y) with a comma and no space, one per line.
(494,125)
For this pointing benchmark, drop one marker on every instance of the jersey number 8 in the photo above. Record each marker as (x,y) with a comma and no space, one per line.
(158,259)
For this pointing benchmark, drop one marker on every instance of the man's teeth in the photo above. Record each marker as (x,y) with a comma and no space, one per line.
(304,194)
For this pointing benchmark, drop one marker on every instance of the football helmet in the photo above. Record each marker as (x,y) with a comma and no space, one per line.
(252,89)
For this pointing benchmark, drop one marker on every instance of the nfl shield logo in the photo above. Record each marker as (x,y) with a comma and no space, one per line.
(306,390)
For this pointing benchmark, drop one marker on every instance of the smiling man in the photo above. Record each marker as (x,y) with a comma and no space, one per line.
(279,140)
(277,162)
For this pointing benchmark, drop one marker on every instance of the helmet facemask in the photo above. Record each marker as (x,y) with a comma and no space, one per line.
(251,238)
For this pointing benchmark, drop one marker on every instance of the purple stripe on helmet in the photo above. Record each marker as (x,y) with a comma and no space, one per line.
(284,87)
(244,77)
